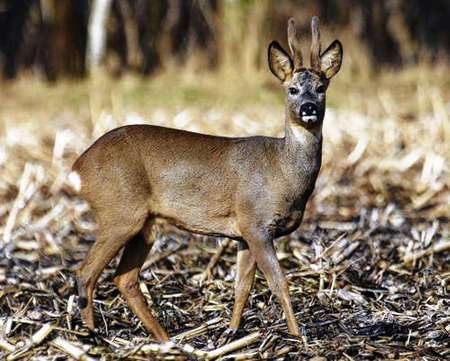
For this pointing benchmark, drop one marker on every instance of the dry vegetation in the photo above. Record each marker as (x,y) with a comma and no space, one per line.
(369,269)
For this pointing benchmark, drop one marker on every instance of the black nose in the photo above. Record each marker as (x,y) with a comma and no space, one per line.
(309,109)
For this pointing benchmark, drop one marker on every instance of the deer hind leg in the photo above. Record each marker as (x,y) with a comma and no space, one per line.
(110,238)
(246,268)
(126,280)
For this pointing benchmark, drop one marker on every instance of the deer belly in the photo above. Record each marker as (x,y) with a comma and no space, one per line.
(198,213)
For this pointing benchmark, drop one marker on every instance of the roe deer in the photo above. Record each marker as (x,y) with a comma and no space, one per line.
(251,189)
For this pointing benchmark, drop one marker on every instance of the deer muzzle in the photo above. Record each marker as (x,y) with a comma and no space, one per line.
(309,113)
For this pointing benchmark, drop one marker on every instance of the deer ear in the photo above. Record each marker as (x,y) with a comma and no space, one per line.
(331,59)
(280,63)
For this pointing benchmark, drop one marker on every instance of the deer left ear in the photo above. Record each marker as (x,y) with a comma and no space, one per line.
(331,59)
(280,63)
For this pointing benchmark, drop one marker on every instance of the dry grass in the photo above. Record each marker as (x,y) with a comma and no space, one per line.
(369,268)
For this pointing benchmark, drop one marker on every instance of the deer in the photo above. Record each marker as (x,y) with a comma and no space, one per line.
(249,189)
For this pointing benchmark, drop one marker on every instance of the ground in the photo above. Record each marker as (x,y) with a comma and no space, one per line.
(369,269)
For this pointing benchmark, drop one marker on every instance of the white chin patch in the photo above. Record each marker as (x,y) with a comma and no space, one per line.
(309,119)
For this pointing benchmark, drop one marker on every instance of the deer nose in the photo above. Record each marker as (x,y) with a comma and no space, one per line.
(309,109)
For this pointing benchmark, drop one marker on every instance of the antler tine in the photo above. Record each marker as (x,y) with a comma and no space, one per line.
(294,45)
(315,45)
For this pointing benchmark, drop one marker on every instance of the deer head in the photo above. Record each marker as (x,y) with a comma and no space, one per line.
(305,87)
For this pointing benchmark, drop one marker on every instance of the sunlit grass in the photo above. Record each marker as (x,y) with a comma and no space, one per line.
(410,91)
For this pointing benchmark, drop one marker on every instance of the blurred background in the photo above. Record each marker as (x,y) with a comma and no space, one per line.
(71,70)
(64,38)
(87,66)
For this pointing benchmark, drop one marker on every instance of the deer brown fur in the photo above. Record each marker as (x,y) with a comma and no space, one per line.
(251,189)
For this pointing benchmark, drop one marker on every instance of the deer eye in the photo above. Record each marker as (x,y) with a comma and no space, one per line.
(293,91)
(321,89)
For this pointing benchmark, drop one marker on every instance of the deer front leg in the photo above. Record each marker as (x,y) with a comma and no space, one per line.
(266,258)
(246,268)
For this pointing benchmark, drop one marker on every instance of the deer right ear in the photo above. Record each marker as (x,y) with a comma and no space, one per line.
(331,59)
(280,63)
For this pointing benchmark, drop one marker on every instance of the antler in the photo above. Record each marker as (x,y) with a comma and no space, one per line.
(315,44)
(294,45)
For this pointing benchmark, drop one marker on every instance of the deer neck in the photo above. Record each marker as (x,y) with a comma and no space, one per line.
(302,149)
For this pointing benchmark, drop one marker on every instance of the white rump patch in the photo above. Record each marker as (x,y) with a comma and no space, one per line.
(74,181)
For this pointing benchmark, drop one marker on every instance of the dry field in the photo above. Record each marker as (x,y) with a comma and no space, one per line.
(369,268)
